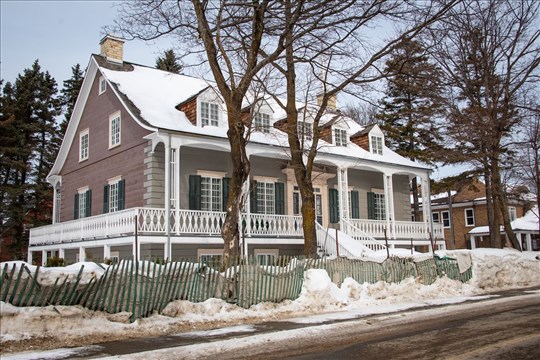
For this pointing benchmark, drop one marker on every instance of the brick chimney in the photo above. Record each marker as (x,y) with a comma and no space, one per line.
(112,48)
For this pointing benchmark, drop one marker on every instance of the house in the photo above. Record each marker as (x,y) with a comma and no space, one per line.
(526,230)
(144,169)
(468,211)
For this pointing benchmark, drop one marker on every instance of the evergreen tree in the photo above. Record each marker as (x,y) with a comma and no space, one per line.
(30,141)
(411,106)
(70,92)
(169,62)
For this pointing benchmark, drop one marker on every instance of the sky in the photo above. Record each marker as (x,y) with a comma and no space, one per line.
(61,34)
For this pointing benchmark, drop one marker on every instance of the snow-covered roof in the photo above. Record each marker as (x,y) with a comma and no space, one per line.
(528,222)
(155,95)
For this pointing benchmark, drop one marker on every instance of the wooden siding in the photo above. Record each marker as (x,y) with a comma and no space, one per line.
(190,110)
(361,140)
(126,160)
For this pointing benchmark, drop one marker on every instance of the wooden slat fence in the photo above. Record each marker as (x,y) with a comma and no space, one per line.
(142,288)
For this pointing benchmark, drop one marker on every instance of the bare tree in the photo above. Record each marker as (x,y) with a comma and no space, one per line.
(490,53)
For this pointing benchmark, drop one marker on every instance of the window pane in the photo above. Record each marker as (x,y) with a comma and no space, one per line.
(211,194)
(82,205)
(265,198)
(380,207)
(113,197)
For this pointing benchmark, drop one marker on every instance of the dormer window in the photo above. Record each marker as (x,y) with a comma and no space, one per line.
(261,122)
(376,145)
(340,137)
(209,114)
(305,130)
(102,85)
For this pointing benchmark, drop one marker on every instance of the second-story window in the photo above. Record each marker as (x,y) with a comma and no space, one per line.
(435,217)
(209,114)
(265,198)
(512,212)
(469,217)
(340,137)
(445,218)
(84,143)
(114,130)
(261,122)
(305,130)
(376,145)
(211,193)
(113,195)
(102,85)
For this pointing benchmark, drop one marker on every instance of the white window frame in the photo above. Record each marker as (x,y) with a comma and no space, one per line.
(261,122)
(82,202)
(113,193)
(467,217)
(209,253)
(115,132)
(212,113)
(305,130)
(376,144)
(512,211)
(102,86)
(340,137)
(266,197)
(84,145)
(447,219)
(438,220)
(379,204)
(265,254)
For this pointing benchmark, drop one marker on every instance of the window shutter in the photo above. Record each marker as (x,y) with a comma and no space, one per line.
(280,198)
(355,205)
(371,205)
(76,207)
(225,183)
(121,194)
(88,203)
(106,199)
(253,197)
(334,205)
(194,192)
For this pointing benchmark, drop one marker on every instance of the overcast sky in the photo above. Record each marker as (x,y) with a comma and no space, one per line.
(60,34)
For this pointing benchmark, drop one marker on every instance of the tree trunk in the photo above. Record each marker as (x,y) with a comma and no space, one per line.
(240,173)
(493,216)
(416,205)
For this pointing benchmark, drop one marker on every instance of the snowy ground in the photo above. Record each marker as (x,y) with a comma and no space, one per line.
(56,327)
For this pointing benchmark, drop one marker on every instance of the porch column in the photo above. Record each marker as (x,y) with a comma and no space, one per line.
(62,253)
(177,192)
(43,257)
(168,185)
(106,252)
(343,194)
(82,254)
(29,257)
(389,205)
(136,249)
(426,205)
(528,240)
(473,242)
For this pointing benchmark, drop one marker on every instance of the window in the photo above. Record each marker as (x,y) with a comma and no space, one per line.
(211,194)
(81,204)
(113,195)
(84,140)
(469,217)
(340,137)
(114,129)
(102,85)
(435,217)
(209,114)
(265,198)
(261,122)
(376,145)
(445,219)
(305,130)
(380,206)
(512,212)
(265,259)
(211,257)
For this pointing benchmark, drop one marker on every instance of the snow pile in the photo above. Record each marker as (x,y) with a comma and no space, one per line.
(492,270)
(47,275)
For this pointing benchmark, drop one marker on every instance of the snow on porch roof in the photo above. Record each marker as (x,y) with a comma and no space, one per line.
(529,222)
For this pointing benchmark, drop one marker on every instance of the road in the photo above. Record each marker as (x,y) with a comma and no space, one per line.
(505,326)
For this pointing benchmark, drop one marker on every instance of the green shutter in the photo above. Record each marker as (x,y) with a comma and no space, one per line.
(334,205)
(226,183)
(280,198)
(194,192)
(88,203)
(371,205)
(355,205)
(121,194)
(253,197)
(106,199)
(76,207)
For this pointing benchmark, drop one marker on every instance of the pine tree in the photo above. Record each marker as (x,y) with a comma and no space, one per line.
(29,145)
(70,92)
(411,106)
(169,62)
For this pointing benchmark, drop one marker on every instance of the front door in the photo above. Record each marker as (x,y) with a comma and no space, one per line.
(318,208)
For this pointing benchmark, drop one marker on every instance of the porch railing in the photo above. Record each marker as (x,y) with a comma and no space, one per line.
(398,229)
(361,236)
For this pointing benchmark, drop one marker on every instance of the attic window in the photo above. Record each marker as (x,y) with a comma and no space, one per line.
(209,114)
(376,145)
(340,137)
(261,122)
(305,130)
(102,85)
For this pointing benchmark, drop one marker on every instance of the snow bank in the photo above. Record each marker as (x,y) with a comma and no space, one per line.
(492,270)
(48,275)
